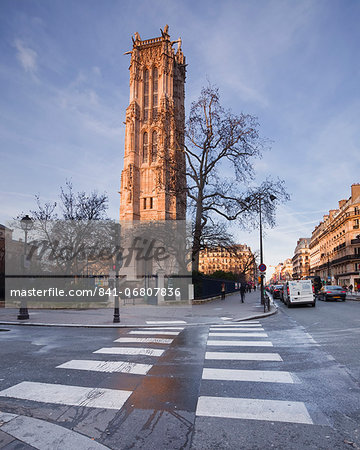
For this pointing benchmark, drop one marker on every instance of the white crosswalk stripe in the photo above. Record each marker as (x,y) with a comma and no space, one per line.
(164,322)
(161,328)
(239,343)
(255,409)
(237,325)
(230,356)
(211,334)
(107,366)
(272,376)
(242,329)
(165,333)
(68,395)
(246,408)
(130,351)
(139,340)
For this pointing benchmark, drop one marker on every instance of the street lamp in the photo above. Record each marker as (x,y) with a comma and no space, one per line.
(116,318)
(26,224)
(272,198)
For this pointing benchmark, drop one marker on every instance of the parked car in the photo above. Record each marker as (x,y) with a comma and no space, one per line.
(332,293)
(277,291)
(299,292)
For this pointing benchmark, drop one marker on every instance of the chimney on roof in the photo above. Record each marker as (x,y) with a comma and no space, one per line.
(355,192)
(342,203)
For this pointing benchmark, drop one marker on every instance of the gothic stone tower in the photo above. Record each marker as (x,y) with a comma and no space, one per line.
(153,178)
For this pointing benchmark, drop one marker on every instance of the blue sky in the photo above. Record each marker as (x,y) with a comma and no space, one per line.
(294,64)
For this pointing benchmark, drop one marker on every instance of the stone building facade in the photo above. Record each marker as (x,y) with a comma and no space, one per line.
(301,259)
(237,259)
(283,272)
(335,243)
(276,276)
(153,178)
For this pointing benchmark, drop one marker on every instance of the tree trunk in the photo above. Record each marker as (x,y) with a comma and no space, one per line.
(197,234)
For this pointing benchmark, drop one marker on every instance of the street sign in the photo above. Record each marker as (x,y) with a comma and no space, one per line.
(262,267)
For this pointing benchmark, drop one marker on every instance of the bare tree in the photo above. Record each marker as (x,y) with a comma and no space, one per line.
(73,206)
(219,148)
(70,232)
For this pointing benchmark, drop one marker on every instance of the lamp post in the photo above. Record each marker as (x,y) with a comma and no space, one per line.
(26,224)
(272,198)
(116,318)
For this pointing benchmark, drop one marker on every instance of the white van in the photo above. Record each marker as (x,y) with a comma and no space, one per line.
(299,292)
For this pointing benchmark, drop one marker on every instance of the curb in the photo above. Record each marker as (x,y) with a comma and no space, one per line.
(268,314)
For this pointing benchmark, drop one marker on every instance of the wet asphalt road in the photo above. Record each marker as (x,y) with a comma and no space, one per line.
(318,347)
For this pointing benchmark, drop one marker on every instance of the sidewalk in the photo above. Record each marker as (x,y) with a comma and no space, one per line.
(216,311)
(353,296)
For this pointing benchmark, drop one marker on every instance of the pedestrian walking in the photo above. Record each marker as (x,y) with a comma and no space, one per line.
(254,287)
(242,292)
(350,288)
(223,291)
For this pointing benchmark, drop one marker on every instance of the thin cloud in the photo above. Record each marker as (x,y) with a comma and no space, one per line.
(26,56)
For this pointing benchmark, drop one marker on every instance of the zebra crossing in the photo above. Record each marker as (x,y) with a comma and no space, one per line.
(230,348)
(240,407)
(93,397)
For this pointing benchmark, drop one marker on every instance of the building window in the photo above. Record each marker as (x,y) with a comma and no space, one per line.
(146,95)
(356,224)
(145,148)
(154,146)
(151,203)
(155,93)
(144,203)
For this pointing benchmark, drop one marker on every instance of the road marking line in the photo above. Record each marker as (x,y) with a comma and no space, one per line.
(253,409)
(145,340)
(243,356)
(68,395)
(237,325)
(211,334)
(162,328)
(167,333)
(240,343)
(237,329)
(130,351)
(6,417)
(265,376)
(158,322)
(107,366)
(45,435)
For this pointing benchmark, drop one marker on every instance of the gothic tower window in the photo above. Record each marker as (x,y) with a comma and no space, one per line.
(155,93)
(154,147)
(145,148)
(146,95)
